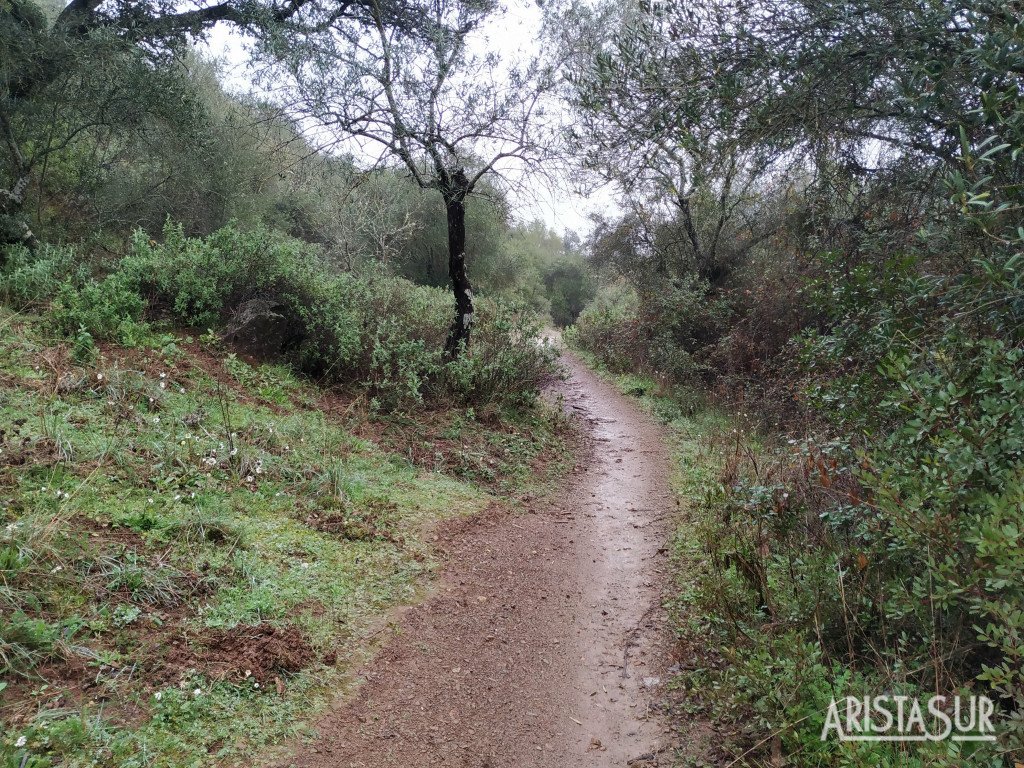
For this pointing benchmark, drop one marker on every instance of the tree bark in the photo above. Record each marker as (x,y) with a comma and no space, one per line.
(13,227)
(462,325)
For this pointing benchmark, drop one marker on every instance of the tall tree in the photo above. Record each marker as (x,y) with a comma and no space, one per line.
(431,102)
(650,118)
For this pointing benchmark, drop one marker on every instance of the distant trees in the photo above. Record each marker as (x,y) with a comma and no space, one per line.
(430,101)
(94,63)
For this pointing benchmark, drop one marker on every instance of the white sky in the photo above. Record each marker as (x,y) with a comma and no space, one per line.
(514,35)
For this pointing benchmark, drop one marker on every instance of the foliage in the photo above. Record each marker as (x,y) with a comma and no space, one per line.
(655,332)
(857,526)
(160,493)
(378,332)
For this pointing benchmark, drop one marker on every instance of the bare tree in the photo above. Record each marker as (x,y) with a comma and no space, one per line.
(431,102)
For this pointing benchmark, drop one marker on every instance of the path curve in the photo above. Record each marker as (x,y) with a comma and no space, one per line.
(545,642)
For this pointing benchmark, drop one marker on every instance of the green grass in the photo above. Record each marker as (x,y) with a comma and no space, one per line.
(171,490)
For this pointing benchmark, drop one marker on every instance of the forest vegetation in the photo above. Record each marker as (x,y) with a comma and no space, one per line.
(238,381)
(821,243)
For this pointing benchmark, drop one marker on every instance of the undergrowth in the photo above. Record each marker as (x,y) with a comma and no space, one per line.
(788,595)
(367,331)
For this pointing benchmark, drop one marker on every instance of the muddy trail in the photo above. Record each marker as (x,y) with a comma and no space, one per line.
(544,644)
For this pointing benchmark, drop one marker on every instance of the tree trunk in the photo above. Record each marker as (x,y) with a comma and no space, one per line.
(13,227)
(455,207)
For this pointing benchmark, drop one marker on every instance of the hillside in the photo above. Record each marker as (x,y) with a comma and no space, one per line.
(198,550)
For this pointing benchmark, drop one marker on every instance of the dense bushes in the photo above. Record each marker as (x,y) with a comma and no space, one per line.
(885,552)
(661,332)
(370,330)
(863,531)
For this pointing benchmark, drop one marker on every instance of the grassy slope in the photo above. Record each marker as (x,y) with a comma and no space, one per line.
(194,550)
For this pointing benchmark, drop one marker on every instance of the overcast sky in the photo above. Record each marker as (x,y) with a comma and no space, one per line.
(515,35)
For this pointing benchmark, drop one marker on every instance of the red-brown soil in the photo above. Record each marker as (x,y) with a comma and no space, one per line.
(545,644)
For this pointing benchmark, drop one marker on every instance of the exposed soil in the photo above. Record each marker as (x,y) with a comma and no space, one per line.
(241,653)
(545,643)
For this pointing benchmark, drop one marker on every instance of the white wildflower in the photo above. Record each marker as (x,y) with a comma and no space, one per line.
(156,419)
(151,501)
(158,695)
(197,692)
(163,375)
(99,377)
(21,742)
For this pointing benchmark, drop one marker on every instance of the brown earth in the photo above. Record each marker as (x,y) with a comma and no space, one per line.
(545,644)
(245,652)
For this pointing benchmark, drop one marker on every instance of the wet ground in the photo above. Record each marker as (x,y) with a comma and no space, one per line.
(544,644)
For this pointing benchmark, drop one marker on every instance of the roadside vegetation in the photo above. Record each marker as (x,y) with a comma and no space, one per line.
(238,383)
(818,276)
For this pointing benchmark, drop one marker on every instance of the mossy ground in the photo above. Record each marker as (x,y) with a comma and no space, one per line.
(157,499)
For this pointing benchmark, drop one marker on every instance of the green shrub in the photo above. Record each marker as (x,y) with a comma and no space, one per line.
(100,308)
(29,277)
(659,333)
(508,364)
(371,330)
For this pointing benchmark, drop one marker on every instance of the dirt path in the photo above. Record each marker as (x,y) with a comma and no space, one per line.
(544,642)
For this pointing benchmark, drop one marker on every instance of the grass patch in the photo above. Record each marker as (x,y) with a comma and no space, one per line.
(193,548)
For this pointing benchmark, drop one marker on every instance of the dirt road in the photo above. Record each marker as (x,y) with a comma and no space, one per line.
(544,643)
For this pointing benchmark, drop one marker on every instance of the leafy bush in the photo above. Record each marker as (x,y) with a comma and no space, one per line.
(29,277)
(371,330)
(509,363)
(100,308)
(654,332)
